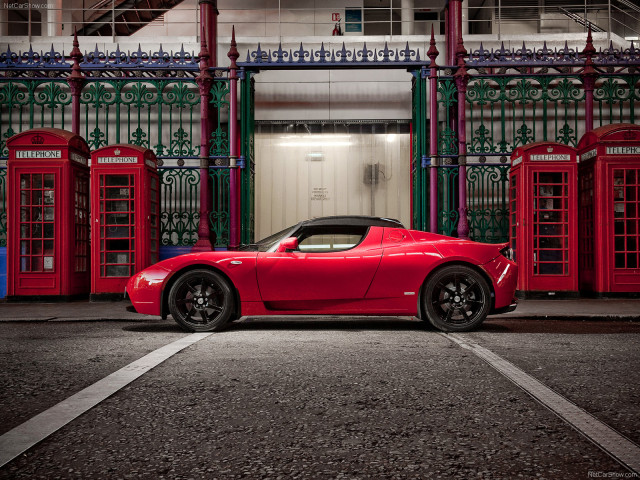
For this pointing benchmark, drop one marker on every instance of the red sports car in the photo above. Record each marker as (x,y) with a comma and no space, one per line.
(348,265)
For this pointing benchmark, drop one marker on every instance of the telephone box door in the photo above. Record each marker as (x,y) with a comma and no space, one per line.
(117,228)
(548,265)
(37,237)
(543,212)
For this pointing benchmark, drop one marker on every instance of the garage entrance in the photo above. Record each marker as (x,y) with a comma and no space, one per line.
(315,169)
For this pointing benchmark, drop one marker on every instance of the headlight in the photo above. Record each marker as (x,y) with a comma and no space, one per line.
(507,252)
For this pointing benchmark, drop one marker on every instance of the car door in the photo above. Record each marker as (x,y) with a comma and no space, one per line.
(331,263)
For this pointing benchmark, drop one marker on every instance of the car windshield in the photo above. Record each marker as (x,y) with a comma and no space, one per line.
(271,241)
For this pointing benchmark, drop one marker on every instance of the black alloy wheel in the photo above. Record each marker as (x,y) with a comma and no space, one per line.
(201,301)
(456,299)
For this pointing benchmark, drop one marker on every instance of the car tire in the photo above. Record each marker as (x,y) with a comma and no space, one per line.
(456,298)
(201,301)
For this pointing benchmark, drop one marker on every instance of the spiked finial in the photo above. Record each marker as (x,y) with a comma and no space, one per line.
(76,55)
(204,53)
(461,52)
(233,51)
(589,49)
(433,51)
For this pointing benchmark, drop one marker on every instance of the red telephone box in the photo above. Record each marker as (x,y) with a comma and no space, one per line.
(125,205)
(609,184)
(544,217)
(48,215)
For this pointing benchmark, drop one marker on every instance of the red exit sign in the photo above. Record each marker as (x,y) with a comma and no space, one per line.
(335,17)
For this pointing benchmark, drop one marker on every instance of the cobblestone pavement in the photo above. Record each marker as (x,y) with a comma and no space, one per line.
(333,398)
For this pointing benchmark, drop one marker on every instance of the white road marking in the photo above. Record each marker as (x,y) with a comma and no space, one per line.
(27,434)
(615,444)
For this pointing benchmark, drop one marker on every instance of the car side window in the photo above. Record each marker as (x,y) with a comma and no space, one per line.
(330,239)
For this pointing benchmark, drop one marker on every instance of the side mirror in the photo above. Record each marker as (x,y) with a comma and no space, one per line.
(287,245)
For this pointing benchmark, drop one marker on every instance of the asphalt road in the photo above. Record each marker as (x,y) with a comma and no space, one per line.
(332,398)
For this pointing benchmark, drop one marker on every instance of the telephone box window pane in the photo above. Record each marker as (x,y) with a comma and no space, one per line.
(36,230)
(24,230)
(25,181)
(48,214)
(48,263)
(48,230)
(36,264)
(118,257)
(36,181)
(116,180)
(117,270)
(25,264)
(48,180)
(618,210)
(117,193)
(36,247)
(48,247)
(119,244)
(117,206)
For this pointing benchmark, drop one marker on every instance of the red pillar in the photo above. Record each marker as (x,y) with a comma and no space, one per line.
(204,80)
(462,79)
(209,27)
(454,29)
(433,135)
(589,76)
(234,196)
(76,82)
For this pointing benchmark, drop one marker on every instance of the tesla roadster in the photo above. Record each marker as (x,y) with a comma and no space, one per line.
(347,265)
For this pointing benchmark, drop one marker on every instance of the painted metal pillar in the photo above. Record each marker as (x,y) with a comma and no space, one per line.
(208,59)
(234,190)
(454,29)
(589,76)
(76,82)
(433,135)
(462,79)
(209,27)
(204,81)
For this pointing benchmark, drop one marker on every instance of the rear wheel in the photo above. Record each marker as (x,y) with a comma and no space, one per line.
(456,299)
(201,301)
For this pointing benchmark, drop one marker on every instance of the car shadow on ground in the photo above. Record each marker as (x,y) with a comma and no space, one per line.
(329,323)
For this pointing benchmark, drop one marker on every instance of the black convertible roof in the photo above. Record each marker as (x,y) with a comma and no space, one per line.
(354,220)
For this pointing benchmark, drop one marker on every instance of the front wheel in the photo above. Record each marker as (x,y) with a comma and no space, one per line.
(201,301)
(456,299)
